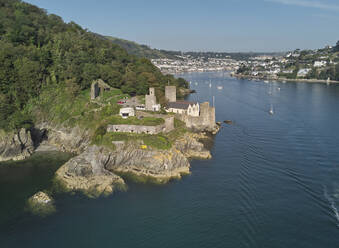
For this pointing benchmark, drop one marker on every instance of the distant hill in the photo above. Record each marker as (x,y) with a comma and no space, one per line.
(139,50)
(145,51)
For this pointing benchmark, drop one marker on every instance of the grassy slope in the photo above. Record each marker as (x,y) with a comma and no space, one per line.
(58,107)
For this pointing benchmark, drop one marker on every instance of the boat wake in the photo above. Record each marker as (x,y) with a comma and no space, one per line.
(332,205)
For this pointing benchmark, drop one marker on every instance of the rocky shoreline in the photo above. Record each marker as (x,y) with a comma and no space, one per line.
(239,76)
(97,170)
(100,171)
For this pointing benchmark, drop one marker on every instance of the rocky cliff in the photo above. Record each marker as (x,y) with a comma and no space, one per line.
(190,146)
(15,145)
(98,170)
(73,140)
(88,173)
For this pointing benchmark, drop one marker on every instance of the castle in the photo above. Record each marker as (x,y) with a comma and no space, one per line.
(199,116)
(196,116)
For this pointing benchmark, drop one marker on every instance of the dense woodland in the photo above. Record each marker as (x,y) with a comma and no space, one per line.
(39,50)
(142,50)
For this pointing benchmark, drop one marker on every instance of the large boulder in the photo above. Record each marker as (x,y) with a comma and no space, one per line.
(87,173)
(41,204)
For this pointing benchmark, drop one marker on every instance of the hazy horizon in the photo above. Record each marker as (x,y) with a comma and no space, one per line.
(215,26)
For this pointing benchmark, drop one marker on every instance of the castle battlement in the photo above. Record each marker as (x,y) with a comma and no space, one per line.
(200,116)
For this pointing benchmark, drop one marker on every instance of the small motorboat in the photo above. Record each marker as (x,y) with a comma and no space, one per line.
(229,122)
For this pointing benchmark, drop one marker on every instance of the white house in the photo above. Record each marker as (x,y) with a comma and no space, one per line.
(320,63)
(127,112)
(303,72)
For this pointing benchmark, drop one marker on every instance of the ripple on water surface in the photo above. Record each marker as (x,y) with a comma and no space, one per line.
(272,181)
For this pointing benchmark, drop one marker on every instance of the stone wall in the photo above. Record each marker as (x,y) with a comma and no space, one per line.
(163,128)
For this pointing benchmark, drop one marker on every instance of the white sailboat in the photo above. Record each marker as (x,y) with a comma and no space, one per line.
(271,112)
(328,81)
(210,84)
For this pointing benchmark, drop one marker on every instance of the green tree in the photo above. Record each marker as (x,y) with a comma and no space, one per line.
(336,48)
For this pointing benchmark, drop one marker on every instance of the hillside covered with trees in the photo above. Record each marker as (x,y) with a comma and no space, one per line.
(40,52)
(144,51)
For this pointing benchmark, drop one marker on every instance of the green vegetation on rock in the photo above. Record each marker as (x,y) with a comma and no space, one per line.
(157,141)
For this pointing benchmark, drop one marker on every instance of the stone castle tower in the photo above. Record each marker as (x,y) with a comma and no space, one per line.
(171,93)
(150,100)
(207,115)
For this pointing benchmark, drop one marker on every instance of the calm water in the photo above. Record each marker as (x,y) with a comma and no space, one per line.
(273,182)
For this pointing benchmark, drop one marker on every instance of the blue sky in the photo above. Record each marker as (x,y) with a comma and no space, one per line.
(209,25)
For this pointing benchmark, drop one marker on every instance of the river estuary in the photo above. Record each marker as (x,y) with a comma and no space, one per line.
(273,181)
